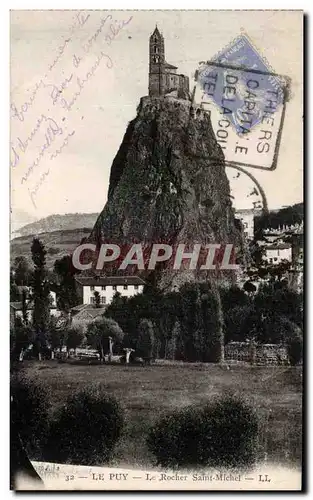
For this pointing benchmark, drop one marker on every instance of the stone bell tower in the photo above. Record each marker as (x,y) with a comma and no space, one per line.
(156,64)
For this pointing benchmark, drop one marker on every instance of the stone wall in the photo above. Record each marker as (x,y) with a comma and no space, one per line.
(259,354)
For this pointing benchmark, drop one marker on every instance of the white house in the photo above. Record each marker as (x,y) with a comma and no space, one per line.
(246,217)
(16,308)
(107,286)
(274,254)
(52,295)
(274,238)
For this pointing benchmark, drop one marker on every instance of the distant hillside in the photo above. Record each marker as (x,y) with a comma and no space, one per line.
(57,243)
(19,218)
(285,216)
(57,222)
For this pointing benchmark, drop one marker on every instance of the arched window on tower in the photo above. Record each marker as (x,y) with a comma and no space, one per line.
(156,49)
(155,39)
(156,59)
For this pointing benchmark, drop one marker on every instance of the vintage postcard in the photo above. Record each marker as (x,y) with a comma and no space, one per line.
(156,264)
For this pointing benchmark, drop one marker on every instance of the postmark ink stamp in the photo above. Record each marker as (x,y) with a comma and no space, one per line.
(247,103)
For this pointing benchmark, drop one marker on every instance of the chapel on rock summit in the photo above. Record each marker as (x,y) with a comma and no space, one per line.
(162,75)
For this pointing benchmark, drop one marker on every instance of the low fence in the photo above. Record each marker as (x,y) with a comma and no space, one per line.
(257,354)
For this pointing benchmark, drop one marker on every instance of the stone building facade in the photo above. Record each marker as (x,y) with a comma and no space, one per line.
(106,286)
(163,77)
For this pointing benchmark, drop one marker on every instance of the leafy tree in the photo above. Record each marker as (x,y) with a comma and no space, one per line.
(220,326)
(249,287)
(97,299)
(233,297)
(145,341)
(99,332)
(22,271)
(14,290)
(237,327)
(274,273)
(264,326)
(277,272)
(279,329)
(288,216)
(257,251)
(66,287)
(22,332)
(21,337)
(40,294)
(279,301)
(195,306)
(73,338)
(173,346)
(213,323)
(25,299)
(55,336)
(128,311)
(295,346)
(170,307)
(119,309)
(201,317)
(191,321)
(262,272)
(204,315)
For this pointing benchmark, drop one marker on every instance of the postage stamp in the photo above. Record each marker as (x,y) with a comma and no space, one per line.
(247,102)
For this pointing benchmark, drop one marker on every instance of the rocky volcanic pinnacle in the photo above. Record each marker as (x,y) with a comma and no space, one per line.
(168,180)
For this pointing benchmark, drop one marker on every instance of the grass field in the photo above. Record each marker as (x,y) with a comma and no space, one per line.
(148,392)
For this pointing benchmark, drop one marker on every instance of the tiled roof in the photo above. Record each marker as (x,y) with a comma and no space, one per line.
(254,211)
(278,246)
(18,306)
(79,307)
(87,311)
(23,287)
(167,65)
(109,280)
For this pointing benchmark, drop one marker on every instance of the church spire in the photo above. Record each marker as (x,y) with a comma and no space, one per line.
(156,32)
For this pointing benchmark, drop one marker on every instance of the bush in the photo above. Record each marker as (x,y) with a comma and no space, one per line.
(85,429)
(221,434)
(29,412)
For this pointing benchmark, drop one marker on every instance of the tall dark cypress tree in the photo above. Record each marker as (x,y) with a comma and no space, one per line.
(40,294)
(66,289)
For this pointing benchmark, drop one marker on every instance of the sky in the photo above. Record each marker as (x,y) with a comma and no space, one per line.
(77,78)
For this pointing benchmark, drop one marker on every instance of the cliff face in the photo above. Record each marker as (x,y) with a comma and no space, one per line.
(168,180)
